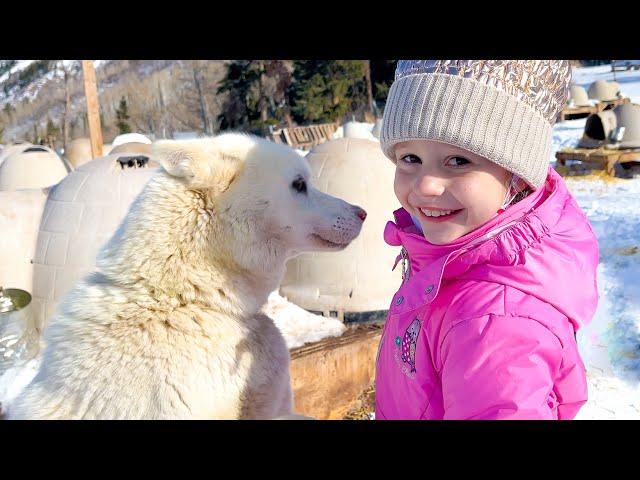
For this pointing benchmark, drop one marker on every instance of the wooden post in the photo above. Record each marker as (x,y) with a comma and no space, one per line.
(93,107)
(369,116)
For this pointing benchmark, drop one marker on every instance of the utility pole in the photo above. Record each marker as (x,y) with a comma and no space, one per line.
(93,107)
(367,75)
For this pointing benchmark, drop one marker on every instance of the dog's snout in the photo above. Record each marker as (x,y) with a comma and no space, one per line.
(361,214)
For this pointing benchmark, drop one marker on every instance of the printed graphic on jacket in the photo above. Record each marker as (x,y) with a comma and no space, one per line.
(407,347)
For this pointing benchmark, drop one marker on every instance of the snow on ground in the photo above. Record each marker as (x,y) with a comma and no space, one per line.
(299,326)
(610,344)
(13,380)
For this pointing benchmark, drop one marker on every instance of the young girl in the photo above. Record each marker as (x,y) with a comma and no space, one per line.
(499,262)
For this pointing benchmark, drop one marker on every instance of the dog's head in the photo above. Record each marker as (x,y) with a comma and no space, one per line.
(260,195)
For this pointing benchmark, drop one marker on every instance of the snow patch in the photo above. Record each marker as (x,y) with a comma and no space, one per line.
(299,326)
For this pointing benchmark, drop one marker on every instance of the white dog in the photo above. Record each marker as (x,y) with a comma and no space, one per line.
(168,326)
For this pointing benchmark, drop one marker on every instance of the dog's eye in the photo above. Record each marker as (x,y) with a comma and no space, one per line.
(299,185)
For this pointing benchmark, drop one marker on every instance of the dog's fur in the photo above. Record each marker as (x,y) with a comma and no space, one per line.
(169,324)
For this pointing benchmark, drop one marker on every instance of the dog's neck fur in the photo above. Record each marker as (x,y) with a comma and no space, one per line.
(177,269)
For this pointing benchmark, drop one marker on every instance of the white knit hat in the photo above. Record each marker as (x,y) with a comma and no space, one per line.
(503,110)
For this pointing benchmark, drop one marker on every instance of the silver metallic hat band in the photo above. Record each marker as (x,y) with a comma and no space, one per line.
(470,115)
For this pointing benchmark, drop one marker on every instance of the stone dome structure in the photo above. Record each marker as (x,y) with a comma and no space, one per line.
(81,213)
(359,278)
(35,166)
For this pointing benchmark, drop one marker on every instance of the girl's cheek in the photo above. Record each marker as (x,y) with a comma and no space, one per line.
(401,185)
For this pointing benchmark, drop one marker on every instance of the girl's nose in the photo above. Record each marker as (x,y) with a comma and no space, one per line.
(429,186)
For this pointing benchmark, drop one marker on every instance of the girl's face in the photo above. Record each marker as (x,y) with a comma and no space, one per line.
(451,191)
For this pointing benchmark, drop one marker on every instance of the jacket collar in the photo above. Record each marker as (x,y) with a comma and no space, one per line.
(523,223)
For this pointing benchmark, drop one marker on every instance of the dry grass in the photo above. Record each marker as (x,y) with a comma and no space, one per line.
(364,406)
(593,175)
(627,251)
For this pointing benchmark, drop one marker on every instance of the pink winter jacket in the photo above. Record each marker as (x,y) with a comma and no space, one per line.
(484,328)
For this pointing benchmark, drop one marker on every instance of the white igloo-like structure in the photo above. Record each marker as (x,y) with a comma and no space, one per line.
(132,148)
(578,96)
(9,150)
(604,91)
(359,278)
(130,138)
(79,151)
(81,214)
(358,130)
(35,166)
(20,215)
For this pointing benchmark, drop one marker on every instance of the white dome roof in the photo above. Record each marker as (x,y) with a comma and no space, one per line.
(603,90)
(79,151)
(33,167)
(9,150)
(358,130)
(81,214)
(358,278)
(579,96)
(130,137)
(132,147)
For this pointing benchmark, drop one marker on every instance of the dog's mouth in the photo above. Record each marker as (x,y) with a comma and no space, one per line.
(328,243)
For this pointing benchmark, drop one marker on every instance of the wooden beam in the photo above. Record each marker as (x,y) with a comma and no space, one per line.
(93,107)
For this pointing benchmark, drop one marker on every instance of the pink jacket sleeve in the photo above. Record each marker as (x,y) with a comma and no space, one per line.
(499,367)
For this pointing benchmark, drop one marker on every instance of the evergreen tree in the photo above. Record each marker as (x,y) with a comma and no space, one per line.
(122,115)
(52,129)
(257,94)
(328,90)
(382,74)
(9,110)
(36,135)
(236,112)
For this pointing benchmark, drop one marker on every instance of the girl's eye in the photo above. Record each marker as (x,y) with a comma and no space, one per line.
(457,162)
(410,159)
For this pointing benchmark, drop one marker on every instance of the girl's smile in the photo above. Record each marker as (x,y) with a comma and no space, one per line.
(449,190)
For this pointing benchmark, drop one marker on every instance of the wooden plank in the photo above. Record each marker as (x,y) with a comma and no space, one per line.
(308,136)
(93,107)
(601,158)
(276,136)
(328,376)
(612,104)
(287,137)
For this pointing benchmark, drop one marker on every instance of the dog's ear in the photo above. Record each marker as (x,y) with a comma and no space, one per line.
(174,157)
(201,163)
